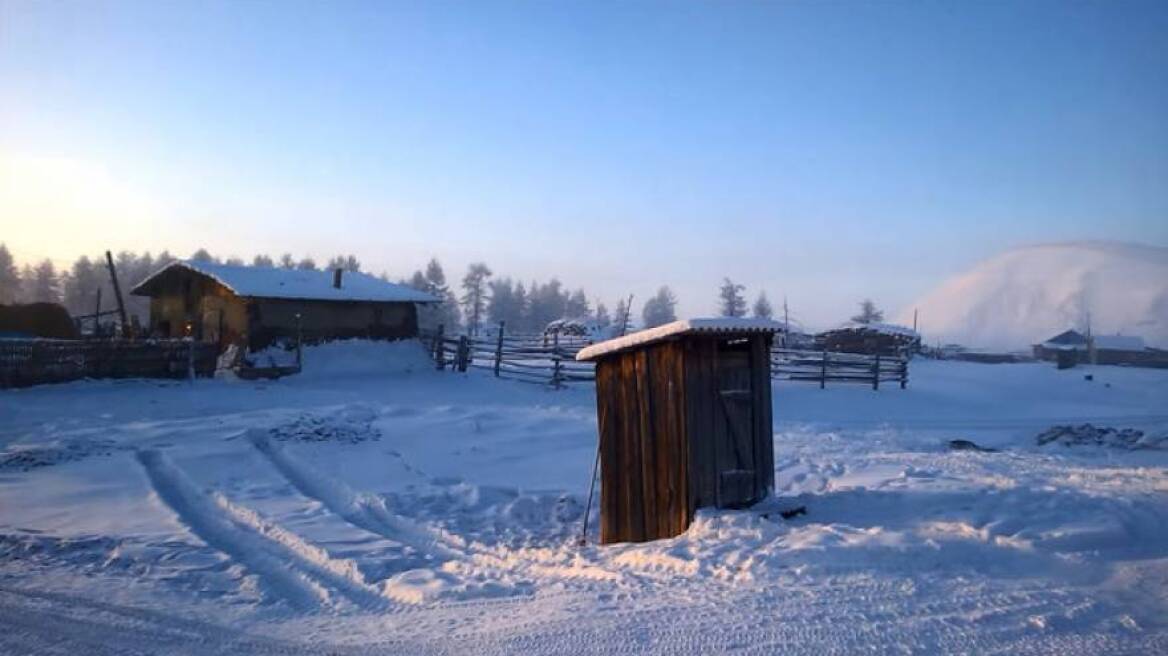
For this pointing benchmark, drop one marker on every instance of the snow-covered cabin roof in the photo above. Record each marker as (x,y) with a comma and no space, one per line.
(1119,342)
(724,325)
(269,282)
(882,328)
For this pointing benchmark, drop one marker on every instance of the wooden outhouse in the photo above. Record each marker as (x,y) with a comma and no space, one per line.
(684,414)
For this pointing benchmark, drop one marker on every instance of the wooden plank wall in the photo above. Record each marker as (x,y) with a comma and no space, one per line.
(642,445)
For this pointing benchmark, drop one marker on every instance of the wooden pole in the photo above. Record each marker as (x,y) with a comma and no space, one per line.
(903,372)
(299,341)
(191,359)
(109,259)
(876,373)
(97,315)
(556,362)
(591,487)
(440,348)
(499,349)
(823,371)
(463,352)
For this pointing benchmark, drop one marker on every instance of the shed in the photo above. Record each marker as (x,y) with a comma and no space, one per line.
(255,306)
(684,414)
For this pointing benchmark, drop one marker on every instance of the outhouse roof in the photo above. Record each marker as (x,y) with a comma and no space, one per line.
(712,326)
(271,282)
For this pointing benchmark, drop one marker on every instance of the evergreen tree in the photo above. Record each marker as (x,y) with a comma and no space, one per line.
(45,287)
(264,261)
(435,279)
(660,309)
(620,317)
(307,264)
(202,255)
(9,277)
(81,285)
(731,302)
(344,262)
(474,298)
(234,261)
(868,313)
(287,261)
(576,306)
(602,318)
(762,307)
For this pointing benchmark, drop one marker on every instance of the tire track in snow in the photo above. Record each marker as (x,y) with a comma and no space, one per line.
(369,512)
(361,509)
(291,568)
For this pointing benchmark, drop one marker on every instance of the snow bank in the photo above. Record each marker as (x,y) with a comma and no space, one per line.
(350,357)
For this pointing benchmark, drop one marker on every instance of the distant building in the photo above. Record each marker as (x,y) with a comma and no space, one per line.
(256,306)
(1073,346)
(869,338)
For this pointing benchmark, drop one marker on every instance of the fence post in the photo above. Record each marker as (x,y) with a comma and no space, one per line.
(440,348)
(876,373)
(903,372)
(499,349)
(463,352)
(191,359)
(299,341)
(823,371)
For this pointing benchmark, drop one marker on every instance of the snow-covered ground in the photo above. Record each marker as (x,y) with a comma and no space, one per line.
(383,507)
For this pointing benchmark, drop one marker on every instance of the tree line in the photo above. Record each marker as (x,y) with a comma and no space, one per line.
(481,297)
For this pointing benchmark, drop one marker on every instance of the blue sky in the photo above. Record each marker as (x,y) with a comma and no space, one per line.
(825,151)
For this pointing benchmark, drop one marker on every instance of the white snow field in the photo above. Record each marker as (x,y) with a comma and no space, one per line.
(387,508)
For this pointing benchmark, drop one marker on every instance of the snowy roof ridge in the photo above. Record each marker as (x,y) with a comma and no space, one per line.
(680,327)
(880,327)
(304,284)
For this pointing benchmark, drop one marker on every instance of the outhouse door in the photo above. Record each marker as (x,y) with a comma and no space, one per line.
(734,419)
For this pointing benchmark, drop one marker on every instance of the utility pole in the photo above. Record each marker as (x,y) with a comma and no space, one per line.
(914,320)
(109,259)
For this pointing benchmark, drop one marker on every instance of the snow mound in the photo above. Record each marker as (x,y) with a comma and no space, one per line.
(29,457)
(1087,434)
(1026,295)
(352,424)
(349,357)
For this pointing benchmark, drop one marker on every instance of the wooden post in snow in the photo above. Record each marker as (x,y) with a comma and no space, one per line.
(823,371)
(109,259)
(463,352)
(876,373)
(97,315)
(440,348)
(903,372)
(499,349)
(556,362)
(299,341)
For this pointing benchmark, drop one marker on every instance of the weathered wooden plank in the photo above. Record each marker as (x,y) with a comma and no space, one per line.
(608,424)
(763,415)
(634,515)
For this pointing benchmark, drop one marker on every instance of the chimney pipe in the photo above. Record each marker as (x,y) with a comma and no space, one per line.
(337,273)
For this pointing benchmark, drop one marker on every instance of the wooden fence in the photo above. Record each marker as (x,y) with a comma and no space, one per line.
(25,362)
(529,358)
(551,360)
(829,367)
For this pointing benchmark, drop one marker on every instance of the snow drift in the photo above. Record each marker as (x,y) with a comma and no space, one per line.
(1028,294)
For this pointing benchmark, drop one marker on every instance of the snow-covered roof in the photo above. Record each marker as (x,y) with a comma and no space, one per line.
(1119,342)
(730,325)
(269,282)
(882,328)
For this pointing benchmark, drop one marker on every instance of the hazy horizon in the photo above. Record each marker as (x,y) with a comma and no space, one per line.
(821,153)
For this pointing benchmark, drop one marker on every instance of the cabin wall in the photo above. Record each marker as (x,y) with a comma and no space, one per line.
(273,319)
(644,468)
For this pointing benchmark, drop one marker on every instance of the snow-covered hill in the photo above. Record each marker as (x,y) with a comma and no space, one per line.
(1025,295)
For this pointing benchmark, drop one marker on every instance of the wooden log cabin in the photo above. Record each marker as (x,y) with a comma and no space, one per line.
(684,415)
(256,306)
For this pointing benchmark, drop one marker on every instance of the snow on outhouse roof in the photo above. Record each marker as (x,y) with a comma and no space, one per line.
(882,328)
(270,282)
(729,325)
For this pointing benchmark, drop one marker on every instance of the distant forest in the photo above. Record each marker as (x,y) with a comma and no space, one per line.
(479,299)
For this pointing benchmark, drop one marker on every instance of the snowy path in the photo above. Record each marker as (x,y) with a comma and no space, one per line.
(434,514)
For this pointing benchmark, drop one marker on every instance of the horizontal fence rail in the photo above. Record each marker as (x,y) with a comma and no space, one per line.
(551,360)
(25,362)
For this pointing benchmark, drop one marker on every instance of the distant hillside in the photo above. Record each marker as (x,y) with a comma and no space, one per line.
(1027,294)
